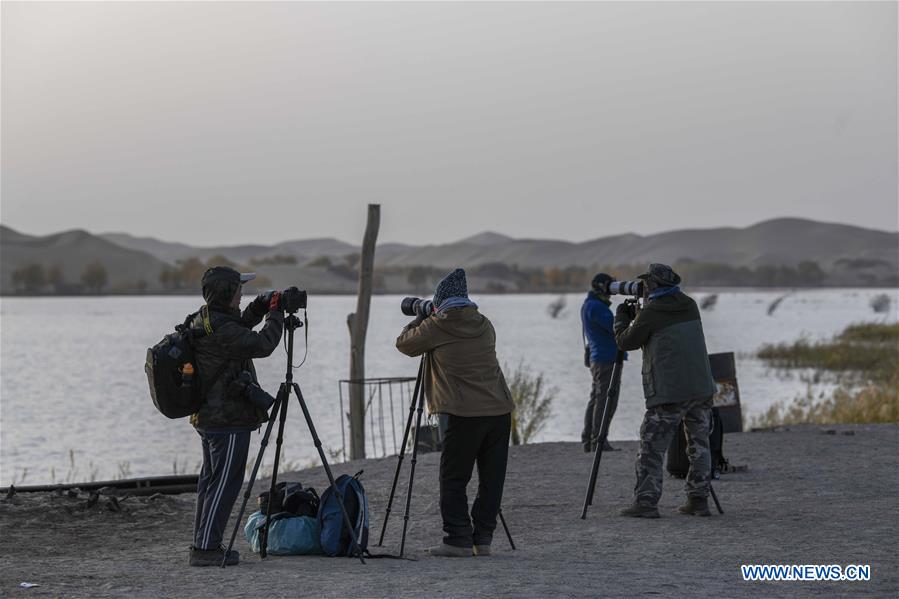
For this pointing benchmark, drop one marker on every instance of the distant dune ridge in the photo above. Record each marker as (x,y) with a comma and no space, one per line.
(847,254)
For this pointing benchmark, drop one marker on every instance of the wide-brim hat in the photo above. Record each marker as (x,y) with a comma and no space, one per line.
(661,274)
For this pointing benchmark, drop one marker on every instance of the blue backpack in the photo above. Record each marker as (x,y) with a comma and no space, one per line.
(335,537)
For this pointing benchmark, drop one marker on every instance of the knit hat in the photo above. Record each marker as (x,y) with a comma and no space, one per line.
(452,285)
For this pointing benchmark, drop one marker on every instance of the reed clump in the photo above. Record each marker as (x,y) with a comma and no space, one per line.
(865,360)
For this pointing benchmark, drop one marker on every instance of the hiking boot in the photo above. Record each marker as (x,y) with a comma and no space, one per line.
(606,446)
(695,506)
(640,510)
(213,557)
(444,550)
(481,550)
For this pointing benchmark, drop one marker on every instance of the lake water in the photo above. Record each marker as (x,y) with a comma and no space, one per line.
(75,403)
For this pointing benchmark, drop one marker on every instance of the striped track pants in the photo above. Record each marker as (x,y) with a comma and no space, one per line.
(224,463)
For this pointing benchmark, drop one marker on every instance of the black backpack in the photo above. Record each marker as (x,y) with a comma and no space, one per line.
(174,394)
(677,464)
(291,498)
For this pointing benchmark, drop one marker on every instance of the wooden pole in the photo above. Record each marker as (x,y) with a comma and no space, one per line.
(358,325)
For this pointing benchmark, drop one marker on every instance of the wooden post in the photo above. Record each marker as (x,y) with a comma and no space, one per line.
(358,325)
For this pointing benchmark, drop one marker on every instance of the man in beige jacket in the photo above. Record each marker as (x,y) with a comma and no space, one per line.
(466,388)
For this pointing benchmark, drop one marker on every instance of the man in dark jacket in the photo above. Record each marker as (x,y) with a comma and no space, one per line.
(466,388)
(677,384)
(596,323)
(226,417)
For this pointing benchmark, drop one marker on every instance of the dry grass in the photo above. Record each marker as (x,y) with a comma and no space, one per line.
(866,359)
(533,403)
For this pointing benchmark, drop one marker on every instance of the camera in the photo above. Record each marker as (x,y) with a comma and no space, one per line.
(292,299)
(249,389)
(634,288)
(415,306)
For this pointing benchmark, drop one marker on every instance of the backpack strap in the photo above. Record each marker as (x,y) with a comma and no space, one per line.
(184,327)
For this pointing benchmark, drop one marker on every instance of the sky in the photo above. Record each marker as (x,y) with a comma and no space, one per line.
(225,123)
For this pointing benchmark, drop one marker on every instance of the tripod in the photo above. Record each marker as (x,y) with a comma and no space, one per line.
(416,402)
(291,322)
(614,389)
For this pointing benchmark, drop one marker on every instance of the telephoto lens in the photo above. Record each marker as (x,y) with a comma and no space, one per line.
(626,288)
(415,306)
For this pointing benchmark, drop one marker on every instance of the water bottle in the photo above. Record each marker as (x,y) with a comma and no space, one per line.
(187,375)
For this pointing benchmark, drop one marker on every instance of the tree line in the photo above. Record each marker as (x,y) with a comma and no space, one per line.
(494,277)
(499,277)
(36,279)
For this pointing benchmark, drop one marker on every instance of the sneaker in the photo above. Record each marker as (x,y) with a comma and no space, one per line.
(444,550)
(606,446)
(640,510)
(213,557)
(481,550)
(695,506)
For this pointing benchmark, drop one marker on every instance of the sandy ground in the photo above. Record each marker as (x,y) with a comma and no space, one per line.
(812,495)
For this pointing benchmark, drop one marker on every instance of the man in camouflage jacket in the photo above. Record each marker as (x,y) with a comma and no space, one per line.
(677,384)
(226,417)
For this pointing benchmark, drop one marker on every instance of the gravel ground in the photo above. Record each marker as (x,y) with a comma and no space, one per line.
(811,495)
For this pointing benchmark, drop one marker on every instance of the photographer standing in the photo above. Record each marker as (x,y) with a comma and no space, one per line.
(227,416)
(466,388)
(677,384)
(597,326)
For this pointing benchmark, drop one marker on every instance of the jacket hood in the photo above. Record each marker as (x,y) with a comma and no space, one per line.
(678,302)
(220,283)
(218,294)
(466,323)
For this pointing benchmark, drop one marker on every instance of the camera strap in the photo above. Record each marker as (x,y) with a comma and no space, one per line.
(204,314)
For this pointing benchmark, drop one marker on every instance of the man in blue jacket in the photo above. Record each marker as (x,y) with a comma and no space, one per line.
(597,322)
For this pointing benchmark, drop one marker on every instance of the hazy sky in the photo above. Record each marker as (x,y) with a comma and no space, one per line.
(244,122)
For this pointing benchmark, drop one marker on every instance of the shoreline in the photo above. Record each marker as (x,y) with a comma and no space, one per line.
(811,494)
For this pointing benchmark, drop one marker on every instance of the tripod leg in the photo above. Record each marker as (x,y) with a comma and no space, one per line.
(249,491)
(321,454)
(282,419)
(402,454)
(614,388)
(715,498)
(421,401)
(591,484)
(713,469)
(506,528)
